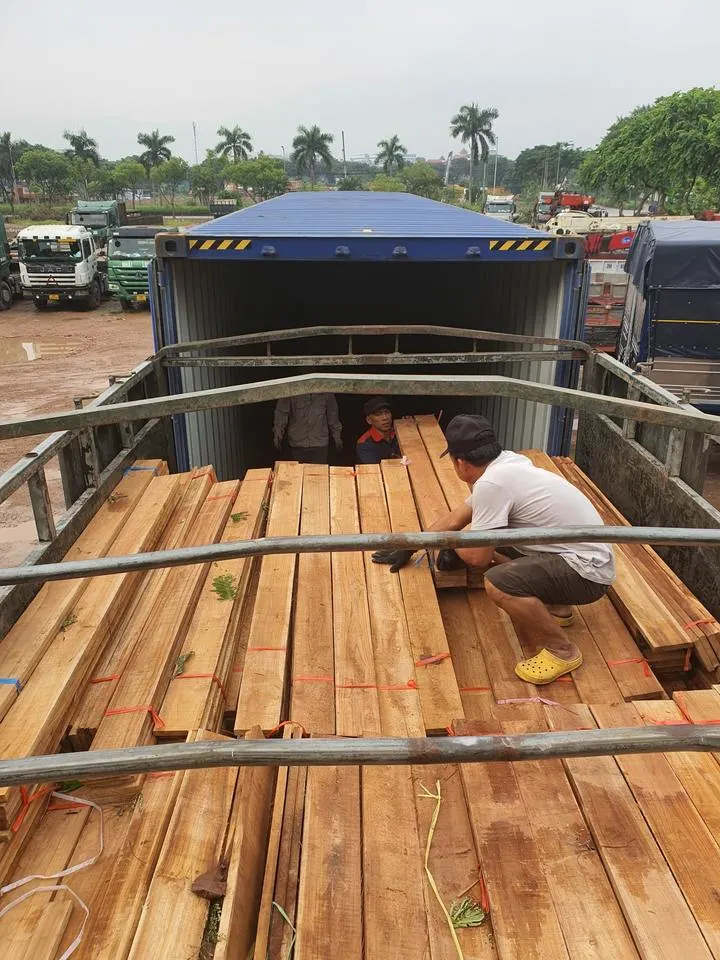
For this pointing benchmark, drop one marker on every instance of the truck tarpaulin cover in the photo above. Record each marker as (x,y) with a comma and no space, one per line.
(684,254)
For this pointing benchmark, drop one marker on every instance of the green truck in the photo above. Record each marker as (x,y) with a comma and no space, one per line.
(129,252)
(9,279)
(103,216)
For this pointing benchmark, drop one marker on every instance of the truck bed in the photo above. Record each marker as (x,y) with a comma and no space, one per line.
(584,858)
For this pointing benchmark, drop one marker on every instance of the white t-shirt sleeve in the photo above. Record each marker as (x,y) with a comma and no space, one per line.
(490,507)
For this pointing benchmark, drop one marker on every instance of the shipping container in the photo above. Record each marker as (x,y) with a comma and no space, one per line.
(334,258)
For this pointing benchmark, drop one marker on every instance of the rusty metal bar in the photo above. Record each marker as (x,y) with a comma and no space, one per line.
(41,506)
(374,359)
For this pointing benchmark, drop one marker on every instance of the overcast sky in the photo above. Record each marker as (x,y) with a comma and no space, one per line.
(555,71)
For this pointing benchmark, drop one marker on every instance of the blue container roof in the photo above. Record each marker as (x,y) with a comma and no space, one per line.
(361,226)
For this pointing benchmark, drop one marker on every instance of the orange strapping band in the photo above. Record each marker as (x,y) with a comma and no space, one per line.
(289,723)
(449,730)
(680,703)
(66,806)
(484,897)
(642,660)
(563,680)
(262,649)
(112,676)
(156,718)
(410,685)
(699,623)
(27,799)
(434,658)
(474,689)
(688,657)
(160,775)
(204,676)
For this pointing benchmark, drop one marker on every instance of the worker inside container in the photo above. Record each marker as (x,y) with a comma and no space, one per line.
(308,421)
(379,442)
(535,586)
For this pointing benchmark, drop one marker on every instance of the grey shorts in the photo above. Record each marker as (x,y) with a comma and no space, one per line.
(545,576)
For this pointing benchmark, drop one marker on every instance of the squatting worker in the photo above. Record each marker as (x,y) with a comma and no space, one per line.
(536,586)
(379,442)
(308,420)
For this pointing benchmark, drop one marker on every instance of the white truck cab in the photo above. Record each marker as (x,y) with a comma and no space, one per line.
(59,262)
(500,207)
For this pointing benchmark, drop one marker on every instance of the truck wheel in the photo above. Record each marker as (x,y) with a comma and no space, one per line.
(93,300)
(41,304)
(6,296)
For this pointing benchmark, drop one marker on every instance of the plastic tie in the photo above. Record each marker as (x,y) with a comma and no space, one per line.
(434,658)
(266,649)
(642,660)
(112,676)
(475,689)
(699,623)
(484,896)
(118,711)
(27,799)
(160,775)
(409,685)
(680,703)
(289,723)
(11,682)
(204,676)
(450,730)
(55,807)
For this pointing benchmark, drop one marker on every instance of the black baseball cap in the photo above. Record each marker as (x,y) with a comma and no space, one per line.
(375,405)
(466,433)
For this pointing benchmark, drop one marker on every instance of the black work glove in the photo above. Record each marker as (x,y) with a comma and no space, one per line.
(396,558)
(448,560)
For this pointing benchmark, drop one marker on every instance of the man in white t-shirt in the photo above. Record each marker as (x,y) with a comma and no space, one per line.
(538,585)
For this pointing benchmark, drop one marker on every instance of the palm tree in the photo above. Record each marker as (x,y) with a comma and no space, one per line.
(310,146)
(236,141)
(474,126)
(82,145)
(156,148)
(391,152)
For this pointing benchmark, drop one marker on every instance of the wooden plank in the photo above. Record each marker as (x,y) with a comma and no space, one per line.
(312,700)
(129,720)
(173,917)
(287,880)
(429,496)
(467,652)
(630,670)
(262,688)
(593,680)
(697,772)
(48,933)
(243,636)
(525,923)
(115,918)
(113,661)
(330,902)
(25,644)
(455,490)
(453,863)
(271,861)
(357,711)
(590,917)
(398,697)
(655,909)
(248,839)
(439,695)
(395,922)
(37,720)
(688,845)
(699,706)
(191,695)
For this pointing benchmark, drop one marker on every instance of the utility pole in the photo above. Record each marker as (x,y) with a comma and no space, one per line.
(342,132)
(283,150)
(195,141)
(497,148)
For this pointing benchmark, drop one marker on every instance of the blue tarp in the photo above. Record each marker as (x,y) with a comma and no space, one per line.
(680,254)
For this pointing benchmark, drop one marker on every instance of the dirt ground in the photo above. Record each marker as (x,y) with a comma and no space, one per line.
(46,359)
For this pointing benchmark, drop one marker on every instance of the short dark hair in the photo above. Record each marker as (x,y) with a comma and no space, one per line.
(483,455)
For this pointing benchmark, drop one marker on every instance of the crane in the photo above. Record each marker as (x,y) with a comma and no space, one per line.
(447,168)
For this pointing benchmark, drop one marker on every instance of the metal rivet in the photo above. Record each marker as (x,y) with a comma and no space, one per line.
(342,251)
(268,251)
(472,252)
(399,251)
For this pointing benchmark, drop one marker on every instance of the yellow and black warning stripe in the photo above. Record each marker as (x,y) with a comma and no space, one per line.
(522,246)
(219,243)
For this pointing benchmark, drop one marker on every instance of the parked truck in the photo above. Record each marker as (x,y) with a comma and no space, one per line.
(500,207)
(129,252)
(60,264)
(9,279)
(104,216)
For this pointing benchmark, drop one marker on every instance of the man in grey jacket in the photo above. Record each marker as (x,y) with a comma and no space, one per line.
(309,421)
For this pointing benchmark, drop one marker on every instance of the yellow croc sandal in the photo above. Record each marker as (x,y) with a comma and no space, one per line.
(563,621)
(545,667)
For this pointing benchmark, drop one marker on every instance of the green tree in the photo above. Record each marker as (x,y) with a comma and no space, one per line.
(391,153)
(130,175)
(310,147)
(207,179)
(105,183)
(82,146)
(47,171)
(168,176)
(264,176)
(537,168)
(156,148)
(349,183)
(84,170)
(10,153)
(235,141)
(385,184)
(474,127)
(420,178)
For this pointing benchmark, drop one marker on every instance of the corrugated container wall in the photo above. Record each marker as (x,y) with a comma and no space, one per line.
(218,299)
